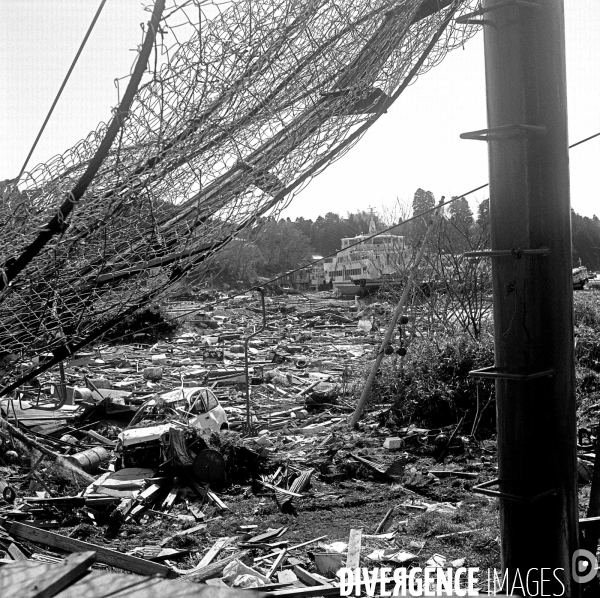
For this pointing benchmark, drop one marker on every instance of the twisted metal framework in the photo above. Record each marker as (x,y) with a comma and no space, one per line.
(235,113)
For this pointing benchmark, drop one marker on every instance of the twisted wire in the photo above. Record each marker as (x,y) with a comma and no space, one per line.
(241,104)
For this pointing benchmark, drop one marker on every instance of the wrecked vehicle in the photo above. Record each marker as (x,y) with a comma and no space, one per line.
(201,405)
(150,444)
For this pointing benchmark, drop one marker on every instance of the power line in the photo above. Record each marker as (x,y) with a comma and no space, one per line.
(81,46)
(366,238)
(584,140)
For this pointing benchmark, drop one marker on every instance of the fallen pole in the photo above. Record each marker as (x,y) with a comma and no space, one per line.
(392,326)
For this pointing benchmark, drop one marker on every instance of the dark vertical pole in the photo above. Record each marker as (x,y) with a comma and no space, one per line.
(533,298)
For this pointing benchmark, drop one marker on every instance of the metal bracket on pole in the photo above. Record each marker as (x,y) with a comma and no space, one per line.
(504,132)
(483,489)
(469,20)
(499,374)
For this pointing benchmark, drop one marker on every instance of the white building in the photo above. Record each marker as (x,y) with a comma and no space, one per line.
(365,262)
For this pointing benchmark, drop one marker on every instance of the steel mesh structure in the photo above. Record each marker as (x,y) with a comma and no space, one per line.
(240,104)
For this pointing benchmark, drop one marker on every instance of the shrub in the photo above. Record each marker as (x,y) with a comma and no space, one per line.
(433,387)
(586,310)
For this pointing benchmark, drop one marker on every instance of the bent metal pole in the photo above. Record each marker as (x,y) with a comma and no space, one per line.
(392,326)
(533,296)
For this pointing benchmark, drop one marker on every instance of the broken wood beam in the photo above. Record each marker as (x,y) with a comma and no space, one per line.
(306,577)
(276,564)
(103,555)
(354,547)
(214,551)
(381,526)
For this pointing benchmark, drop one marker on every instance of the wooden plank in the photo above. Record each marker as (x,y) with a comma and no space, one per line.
(278,561)
(214,569)
(305,577)
(14,575)
(214,550)
(16,553)
(170,499)
(103,555)
(149,493)
(208,557)
(383,522)
(354,545)
(61,575)
(444,473)
(64,501)
(267,536)
(217,501)
(43,580)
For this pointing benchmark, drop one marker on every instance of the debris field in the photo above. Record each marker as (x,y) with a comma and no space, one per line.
(147,455)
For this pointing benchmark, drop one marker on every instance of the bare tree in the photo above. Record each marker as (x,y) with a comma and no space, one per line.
(458,290)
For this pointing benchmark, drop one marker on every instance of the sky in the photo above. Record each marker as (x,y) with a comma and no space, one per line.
(416,144)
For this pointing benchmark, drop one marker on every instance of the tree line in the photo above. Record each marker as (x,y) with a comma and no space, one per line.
(274,246)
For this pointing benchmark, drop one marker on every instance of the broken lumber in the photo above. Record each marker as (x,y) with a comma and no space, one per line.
(278,561)
(214,569)
(103,555)
(382,524)
(306,577)
(208,557)
(354,546)
(214,551)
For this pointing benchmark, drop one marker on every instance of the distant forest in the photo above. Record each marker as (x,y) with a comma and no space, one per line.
(275,246)
(326,232)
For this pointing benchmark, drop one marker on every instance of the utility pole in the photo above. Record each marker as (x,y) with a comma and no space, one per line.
(532,288)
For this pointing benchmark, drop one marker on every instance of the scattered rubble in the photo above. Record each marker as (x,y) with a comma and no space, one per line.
(143,456)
